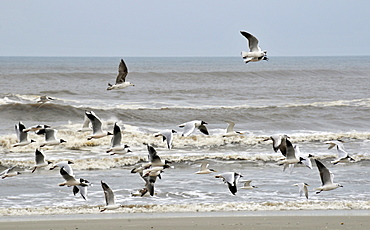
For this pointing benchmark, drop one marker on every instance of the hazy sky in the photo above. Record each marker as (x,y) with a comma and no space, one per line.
(183,28)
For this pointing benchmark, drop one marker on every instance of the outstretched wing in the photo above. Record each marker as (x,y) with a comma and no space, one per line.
(122,72)
(108,193)
(253,41)
(325,175)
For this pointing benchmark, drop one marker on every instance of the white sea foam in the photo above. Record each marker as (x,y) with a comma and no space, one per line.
(91,154)
(204,207)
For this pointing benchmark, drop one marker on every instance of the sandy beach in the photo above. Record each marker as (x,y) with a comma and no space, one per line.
(229,220)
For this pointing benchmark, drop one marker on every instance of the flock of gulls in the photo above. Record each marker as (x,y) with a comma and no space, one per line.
(151,170)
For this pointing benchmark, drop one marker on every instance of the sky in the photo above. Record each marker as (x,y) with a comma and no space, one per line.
(141,28)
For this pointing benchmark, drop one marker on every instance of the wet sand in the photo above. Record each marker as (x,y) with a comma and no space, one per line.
(195,221)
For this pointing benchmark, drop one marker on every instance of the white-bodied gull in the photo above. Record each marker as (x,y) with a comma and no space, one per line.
(247,185)
(40,160)
(116,147)
(231,179)
(96,126)
(121,82)
(65,165)
(327,178)
(167,136)
(204,169)
(70,180)
(50,137)
(302,189)
(343,156)
(9,172)
(230,130)
(110,202)
(255,53)
(190,126)
(22,136)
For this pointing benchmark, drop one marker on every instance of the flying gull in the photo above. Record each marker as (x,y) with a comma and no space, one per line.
(65,165)
(154,159)
(50,137)
(44,98)
(278,143)
(167,136)
(255,53)
(116,147)
(190,126)
(96,126)
(40,160)
(231,179)
(326,178)
(110,203)
(121,82)
(22,136)
(10,172)
(79,185)
(247,185)
(70,180)
(204,169)
(230,130)
(290,158)
(304,158)
(302,189)
(342,154)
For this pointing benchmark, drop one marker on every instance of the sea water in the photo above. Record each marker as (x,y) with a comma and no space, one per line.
(311,99)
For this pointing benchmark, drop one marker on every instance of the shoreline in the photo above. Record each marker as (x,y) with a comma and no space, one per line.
(319,219)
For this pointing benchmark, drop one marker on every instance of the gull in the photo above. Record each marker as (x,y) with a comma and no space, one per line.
(10,172)
(278,143)
(43,99)
(204,169)
(22,136)
(247,185)
(230,130)
(79,185)
(121,82)
(191,125)
(304,158)
(50,137)
(149,184)
(149,180)
(40,160)
(85,125)
(65,165)
(96,126)
(36,128)
(154,159)
(327,178)
(150,171)
(110,203)
(290,157)
(231,178)
(70,180)
(302,189)
(167,136)
(342,154)
(81,189)
(255,53)
(116,146)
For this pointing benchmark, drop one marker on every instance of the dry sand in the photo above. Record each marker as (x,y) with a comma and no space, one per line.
(194,221)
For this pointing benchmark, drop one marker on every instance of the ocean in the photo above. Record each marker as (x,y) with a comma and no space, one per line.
(310,99)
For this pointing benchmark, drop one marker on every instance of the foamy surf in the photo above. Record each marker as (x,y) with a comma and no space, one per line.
(218,207)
